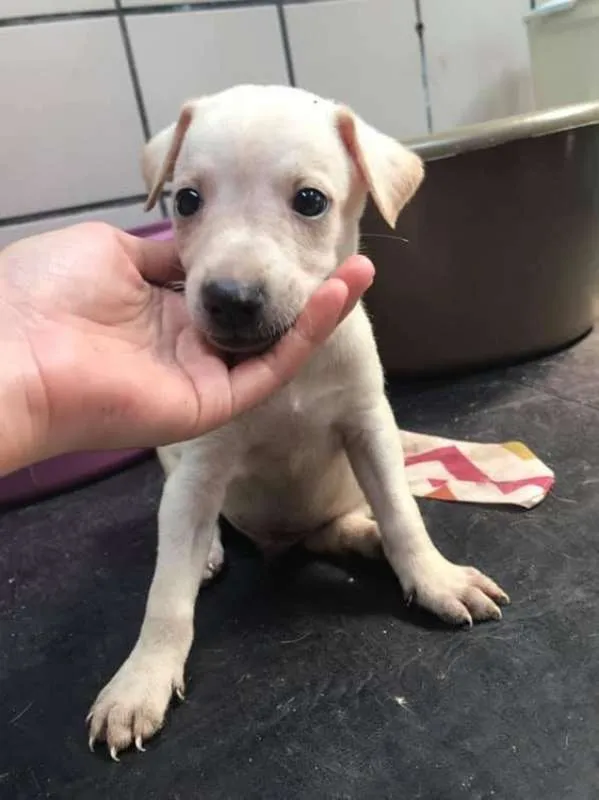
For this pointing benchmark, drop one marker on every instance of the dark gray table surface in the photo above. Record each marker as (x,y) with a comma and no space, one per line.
(312,680)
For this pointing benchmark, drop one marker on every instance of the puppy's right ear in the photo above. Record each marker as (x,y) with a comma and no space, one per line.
(161,152)
(390,172)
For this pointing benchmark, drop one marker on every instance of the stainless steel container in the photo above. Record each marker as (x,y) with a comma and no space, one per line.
(497,257)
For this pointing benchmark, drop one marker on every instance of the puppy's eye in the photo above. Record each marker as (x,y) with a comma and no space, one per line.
(310,202)
(187,202)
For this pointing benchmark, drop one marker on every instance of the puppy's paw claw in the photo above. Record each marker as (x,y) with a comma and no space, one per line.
(132,707)
(503,599)
(459,595)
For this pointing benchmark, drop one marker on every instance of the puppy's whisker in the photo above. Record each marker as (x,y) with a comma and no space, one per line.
(385,236)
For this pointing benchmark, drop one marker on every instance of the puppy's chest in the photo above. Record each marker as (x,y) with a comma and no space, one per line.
(295,412)
(289,433)
(289,474)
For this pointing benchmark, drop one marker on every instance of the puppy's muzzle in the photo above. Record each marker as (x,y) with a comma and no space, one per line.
(237,316)
(233,308)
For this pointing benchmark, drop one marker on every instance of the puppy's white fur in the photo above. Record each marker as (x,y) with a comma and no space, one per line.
(321,461)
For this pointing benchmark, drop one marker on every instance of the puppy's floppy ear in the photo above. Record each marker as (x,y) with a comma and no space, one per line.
(161,152)
(391,172)
(154,154)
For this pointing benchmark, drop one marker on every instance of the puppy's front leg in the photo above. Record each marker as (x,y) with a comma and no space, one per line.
(131,708)
(457,594)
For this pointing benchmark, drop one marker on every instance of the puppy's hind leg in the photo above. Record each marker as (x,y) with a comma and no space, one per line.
(354,532)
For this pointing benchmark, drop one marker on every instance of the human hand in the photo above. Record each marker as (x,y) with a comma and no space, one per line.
(101,356)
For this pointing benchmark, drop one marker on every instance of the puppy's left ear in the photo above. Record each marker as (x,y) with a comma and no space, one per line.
(391,172)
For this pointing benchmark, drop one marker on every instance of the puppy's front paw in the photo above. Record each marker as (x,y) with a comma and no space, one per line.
(457,594)
(131,708)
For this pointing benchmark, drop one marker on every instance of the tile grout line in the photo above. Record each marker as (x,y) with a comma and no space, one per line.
(39,216)
(136,83)
(34,19)
(423,66)
(141,10)
(132,70)
(286,43)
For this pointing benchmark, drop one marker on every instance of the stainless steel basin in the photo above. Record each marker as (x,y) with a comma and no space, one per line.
(496,258)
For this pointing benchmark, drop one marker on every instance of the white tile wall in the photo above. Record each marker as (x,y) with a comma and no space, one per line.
(478,63)
(125,217)
(364,53)
(185,55)
(71,127)
(72,134)
(26,8)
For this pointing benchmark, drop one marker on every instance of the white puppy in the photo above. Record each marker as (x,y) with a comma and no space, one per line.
(269,185)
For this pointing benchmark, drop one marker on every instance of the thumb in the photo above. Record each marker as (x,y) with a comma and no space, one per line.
(255,379)
(157,261)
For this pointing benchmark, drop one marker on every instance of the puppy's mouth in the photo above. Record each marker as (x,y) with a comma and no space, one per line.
(244,346)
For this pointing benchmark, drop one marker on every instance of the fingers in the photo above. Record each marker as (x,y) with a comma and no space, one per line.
(157,261)
(357,273)
(253,380)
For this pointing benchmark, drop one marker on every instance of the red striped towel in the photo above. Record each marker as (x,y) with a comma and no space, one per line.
(469,472)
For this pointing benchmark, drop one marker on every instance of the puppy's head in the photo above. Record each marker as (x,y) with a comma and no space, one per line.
(268,186)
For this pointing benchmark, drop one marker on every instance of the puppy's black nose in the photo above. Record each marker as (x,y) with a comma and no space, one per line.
(232,304)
